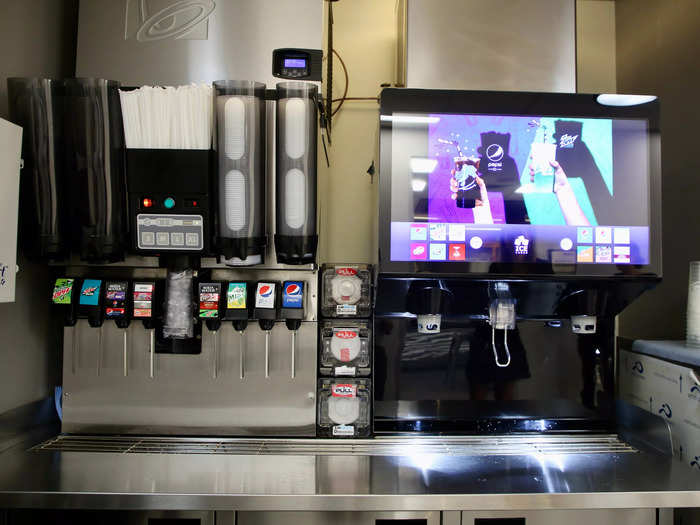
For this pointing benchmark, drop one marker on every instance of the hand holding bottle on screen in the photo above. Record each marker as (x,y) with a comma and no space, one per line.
(570,207)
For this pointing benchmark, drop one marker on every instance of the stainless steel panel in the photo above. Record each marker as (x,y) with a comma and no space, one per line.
(570,517)
(184,397)
(517,45)
(422,482)
(381,446)
(333,518)
(180,41)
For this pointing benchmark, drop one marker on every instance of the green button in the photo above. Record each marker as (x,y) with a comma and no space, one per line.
(169,202)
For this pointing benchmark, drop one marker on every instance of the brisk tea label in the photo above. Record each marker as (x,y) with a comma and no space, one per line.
(237,296)
(143,300)
(62,291)
(344,390)
(90,292)
(209,294)
(293,294)
(265,295)
(115,299)
(346,271)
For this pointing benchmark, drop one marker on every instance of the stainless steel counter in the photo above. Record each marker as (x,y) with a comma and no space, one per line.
(350,479)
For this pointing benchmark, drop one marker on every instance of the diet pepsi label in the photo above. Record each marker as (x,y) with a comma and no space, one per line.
(265,295)
(293,294)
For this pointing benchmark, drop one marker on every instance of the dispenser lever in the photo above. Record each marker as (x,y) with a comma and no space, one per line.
(241,363)
(294,352)
(152,350)
(126,354)
(505,344)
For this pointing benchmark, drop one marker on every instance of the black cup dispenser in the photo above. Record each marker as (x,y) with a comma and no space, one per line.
(95,168)
(295,238)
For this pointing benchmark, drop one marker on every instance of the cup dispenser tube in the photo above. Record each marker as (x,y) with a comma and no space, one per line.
(95,168)
(295,238)
(240,116)
(34,105)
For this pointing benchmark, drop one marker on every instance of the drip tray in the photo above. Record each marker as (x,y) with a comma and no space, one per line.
(383,446)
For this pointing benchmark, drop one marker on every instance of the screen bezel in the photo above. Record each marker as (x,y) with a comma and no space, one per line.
(425,101)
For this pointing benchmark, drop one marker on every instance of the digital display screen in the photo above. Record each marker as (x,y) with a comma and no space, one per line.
(519,188)
(297,63)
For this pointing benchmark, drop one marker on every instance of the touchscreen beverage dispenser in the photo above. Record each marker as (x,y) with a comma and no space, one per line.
(35,104)
(240,145)
(497,315)
(295,237)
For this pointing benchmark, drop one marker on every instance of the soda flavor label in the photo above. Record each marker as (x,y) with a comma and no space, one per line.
(345,334)
(143,296)
(142,312)
(209,294)
(346,271)
(143,287)
(237,296)
(344,430)
(113,313)
(90,292)
(62,291)
(343,390)
(293,294)
(346,309)
(265,295)
(142,304)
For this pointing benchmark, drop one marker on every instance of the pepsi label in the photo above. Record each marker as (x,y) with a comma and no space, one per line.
(293,294)
(265,295)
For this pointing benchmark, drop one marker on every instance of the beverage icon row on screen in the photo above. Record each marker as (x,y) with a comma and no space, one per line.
(603,235)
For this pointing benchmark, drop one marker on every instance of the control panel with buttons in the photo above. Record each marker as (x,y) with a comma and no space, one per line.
(170,232)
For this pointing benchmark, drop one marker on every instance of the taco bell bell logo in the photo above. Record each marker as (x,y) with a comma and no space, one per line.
(153,20)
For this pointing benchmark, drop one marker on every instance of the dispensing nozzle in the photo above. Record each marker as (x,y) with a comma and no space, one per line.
(210,313)
(237,312)
(266,303)
(501,317)
(293,312)
(116,309)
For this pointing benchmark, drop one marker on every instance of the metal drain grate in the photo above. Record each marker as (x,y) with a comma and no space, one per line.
(384,446)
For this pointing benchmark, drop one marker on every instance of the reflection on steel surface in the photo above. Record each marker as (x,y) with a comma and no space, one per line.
(151,20)
(535,446)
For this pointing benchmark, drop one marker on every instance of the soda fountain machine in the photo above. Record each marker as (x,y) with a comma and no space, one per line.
(169,220)
(496,314)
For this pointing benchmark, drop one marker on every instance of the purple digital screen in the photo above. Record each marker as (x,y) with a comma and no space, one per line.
(500,188)
(299,63)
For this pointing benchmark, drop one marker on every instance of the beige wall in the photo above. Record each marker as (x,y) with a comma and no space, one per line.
(37,38)
(657,48)
(595,46)
(364,36)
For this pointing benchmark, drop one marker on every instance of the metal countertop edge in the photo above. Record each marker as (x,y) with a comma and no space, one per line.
(359,502)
